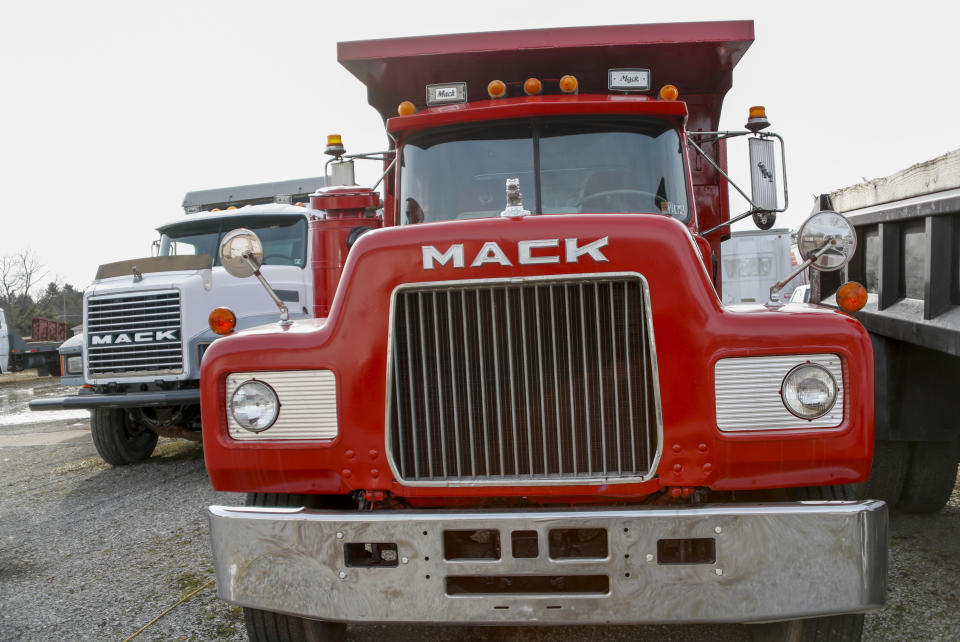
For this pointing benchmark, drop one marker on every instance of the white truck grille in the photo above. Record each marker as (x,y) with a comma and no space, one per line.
(134,334)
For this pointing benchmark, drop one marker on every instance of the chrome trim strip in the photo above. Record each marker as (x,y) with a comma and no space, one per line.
(651,388)
(772,561)
(747,393)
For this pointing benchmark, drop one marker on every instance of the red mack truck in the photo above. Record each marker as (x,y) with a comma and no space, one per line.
(527,403)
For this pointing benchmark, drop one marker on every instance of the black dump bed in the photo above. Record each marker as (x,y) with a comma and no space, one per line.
(908,253)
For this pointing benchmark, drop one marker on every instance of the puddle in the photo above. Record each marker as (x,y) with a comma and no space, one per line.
(15,397)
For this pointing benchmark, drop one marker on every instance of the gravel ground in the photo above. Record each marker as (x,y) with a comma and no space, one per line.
(90,552)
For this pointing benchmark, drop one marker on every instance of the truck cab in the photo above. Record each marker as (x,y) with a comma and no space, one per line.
(147,321)
(528,403)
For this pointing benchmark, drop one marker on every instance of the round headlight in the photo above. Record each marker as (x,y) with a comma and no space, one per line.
(809,391)
(254,405)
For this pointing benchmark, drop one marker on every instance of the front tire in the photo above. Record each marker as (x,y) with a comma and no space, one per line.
(887,475)
(836,628)
(930,478)
(267,626)
(118,439)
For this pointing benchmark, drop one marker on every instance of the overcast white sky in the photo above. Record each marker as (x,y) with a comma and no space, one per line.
(110,111)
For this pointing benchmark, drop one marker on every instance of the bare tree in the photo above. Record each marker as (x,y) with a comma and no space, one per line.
(19,273)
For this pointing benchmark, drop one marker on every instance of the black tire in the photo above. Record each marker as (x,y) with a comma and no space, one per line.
(267,626)
(118,439)
(930,477)
(815,493)
(834,628)
(890,462)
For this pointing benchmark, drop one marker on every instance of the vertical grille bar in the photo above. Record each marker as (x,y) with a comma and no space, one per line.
(474,375)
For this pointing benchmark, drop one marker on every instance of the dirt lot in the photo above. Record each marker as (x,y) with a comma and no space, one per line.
(91,552)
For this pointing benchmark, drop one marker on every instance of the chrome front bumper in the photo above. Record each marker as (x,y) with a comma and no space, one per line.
(772,562)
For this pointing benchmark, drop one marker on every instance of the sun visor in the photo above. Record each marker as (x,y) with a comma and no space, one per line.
(132,267)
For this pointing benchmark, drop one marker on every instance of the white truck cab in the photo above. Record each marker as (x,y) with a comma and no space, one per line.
(146,320)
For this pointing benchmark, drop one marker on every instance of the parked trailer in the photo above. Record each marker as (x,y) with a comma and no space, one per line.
(753,260)
(36,351)
(527,403)
(908,230)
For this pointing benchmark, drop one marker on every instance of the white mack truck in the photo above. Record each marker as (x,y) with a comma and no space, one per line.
(148,321)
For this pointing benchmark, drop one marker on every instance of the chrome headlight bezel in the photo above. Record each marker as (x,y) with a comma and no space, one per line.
(791,393)
(269,399)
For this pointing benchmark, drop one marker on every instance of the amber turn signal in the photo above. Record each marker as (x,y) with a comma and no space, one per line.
(569,84)
(851,296)
(669,92)
(406,108)
(222,320)
(497,89)
(532,86)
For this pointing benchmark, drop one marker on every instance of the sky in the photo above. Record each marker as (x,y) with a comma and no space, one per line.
(111,111)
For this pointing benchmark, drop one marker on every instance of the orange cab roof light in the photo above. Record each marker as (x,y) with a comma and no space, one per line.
(669,92)
(569,84)
(532,86)
(497,89)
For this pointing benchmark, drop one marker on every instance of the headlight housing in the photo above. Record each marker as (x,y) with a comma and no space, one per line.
(254,405)
(809,391)
(75,365)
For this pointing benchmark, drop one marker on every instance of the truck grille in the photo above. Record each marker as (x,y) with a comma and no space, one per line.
(543,381)
(131,335)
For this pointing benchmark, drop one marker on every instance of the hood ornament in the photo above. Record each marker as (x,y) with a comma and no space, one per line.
(514,207)
(137,274)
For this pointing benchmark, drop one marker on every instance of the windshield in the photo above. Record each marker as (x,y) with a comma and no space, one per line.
(284,239)
(582,165)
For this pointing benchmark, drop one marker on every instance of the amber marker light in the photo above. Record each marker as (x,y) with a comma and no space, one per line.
(406,108)
(758,112)
(569,84)
(532,86)
(851,297)
(497,89)
(669,92)
(222,320)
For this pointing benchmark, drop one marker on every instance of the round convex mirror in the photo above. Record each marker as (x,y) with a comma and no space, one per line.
(831,233)
(237,244)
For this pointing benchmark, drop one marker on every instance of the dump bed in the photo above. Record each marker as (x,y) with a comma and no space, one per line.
(908,256)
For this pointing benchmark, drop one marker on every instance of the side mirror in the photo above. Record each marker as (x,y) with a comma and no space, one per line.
(763,176)
(241,253)
(155,248)
(827,241)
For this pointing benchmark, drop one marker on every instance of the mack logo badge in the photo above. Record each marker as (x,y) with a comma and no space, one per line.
(533,252)
(120,338)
